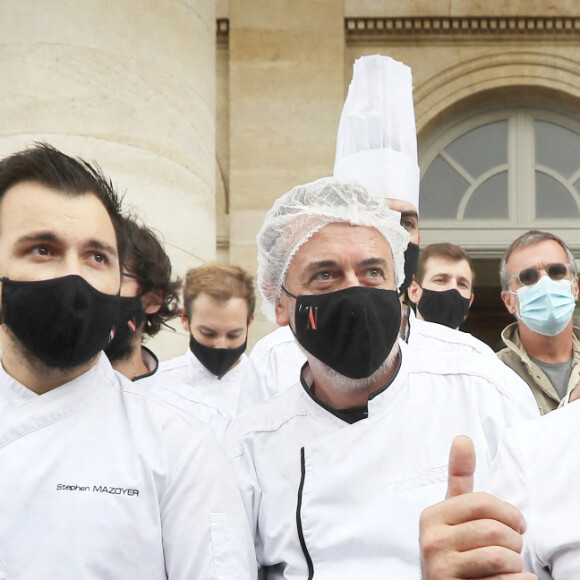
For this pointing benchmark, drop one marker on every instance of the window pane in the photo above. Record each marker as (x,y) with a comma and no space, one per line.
(553,200)
(441,190)
(490,199)
(557,148)
(481,149)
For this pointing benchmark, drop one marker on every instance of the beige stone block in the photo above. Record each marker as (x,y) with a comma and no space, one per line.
(260,82)
(96,94)
(286,14)
(245,225)
(287,134)
(153,34)
(258,187)
(244,256)
(130,76)
(286,96)
(222,9)
(270,46)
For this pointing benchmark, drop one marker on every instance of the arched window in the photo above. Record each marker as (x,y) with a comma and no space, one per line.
(489,177)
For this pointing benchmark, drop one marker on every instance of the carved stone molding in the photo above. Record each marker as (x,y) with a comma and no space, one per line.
(362,27)
(366,28)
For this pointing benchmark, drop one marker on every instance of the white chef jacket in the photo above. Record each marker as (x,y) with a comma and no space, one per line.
(373,476)
(430,335)
(274,365)
(276,359)
(98,481)
(221,394)
(537,469)
(172,391)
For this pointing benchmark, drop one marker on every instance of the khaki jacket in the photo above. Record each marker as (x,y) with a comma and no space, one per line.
(515,357)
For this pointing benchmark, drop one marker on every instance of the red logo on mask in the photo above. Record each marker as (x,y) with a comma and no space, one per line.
(312,318)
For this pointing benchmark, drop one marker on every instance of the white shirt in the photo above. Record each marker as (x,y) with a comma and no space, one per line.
(537,469)
(430,335)
(98,481)
(276,359)
(221,394)
(396,460)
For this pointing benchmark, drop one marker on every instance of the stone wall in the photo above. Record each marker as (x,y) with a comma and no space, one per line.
(131,85)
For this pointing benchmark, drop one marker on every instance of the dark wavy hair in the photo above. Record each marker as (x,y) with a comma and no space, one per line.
(146,259)
(44,164)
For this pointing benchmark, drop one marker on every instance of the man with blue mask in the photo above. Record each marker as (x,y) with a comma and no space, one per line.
(540,288)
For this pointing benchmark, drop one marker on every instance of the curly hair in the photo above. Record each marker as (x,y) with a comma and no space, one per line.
(147,260)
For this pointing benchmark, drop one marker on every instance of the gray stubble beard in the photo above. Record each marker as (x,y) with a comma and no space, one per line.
(346,384)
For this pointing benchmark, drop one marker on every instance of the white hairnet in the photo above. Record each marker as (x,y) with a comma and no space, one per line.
(305,209)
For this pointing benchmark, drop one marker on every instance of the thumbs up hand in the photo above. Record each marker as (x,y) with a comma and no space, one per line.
(461,467)
(470,535)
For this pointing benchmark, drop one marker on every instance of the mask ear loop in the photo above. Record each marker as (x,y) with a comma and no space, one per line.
(288,292)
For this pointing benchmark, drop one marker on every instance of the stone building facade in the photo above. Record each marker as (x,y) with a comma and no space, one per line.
(496,89)
(205,111)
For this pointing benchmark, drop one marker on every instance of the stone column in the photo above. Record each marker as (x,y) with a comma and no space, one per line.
(130,85)
(286,94)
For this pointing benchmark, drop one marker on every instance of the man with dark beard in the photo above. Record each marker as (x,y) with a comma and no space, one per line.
(98,481)
(330,262)
(149,298)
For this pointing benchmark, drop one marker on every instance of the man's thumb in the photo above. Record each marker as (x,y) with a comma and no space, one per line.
(461,466)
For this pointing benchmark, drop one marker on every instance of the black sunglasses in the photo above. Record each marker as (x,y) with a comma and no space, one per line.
(529,276)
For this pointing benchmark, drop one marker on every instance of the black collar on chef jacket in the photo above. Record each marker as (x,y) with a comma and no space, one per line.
(353,414)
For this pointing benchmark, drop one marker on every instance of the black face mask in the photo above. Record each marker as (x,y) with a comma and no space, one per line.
(411,261)
(352,330)
(216,360)
(448,307)
(64,322)
(131,317)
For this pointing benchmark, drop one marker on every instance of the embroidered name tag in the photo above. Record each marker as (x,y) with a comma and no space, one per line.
(97,489)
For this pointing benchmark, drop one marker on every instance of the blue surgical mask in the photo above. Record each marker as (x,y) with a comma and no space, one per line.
(546,306)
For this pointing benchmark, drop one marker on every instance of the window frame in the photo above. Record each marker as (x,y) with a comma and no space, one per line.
(489,237)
